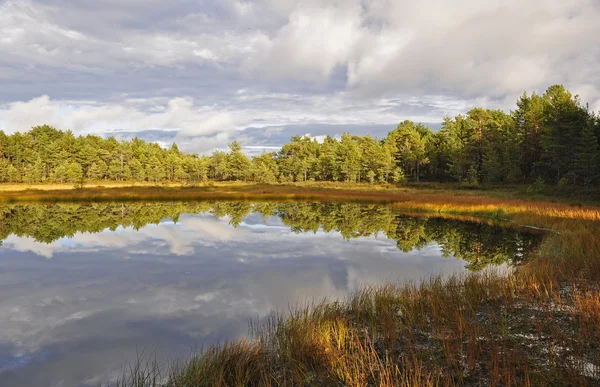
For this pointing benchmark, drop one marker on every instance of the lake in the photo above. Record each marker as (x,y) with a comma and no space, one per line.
(84,288)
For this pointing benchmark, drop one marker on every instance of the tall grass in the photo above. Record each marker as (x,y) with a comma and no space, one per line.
(536,326)
(474,330)
(458,202)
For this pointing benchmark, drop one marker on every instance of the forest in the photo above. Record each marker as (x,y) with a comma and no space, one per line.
(478,243)
(551,138)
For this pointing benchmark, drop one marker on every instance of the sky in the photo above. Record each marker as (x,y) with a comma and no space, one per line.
(203,73)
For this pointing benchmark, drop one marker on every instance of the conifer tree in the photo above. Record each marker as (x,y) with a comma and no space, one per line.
(586,157)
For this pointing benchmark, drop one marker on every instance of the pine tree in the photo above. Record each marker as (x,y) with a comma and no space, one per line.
(60,173)
(409,147)
(115,169)
(349,158)
(264,168)
(564,118)
(95,172)
(238,163)
(74,173)
(137,170)
(586,156)
(12,174)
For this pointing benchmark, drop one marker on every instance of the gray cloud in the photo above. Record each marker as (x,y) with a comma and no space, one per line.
(210,68)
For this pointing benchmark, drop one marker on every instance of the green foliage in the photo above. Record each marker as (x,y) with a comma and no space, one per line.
(74,173)
(264,168)
(398,175)
(551,136)
(408,147)
(349,158)
(238,164)
(585,162)
(471,180)
(538,185)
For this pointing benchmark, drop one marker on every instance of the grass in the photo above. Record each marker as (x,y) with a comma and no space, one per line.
(479,203)
(475,330)
(515,191)
(536,326)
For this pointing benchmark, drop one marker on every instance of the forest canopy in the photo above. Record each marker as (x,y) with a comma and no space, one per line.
(549,138)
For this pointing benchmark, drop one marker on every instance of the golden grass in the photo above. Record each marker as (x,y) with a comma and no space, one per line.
(408,198)
(18,187)
(476,330)
(538,325)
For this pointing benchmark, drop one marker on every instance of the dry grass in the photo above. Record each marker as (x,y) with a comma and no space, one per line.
(19,187)
(537,326)
(458,202)
(477,330)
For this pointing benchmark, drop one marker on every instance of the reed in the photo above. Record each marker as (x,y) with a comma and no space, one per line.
(538,325)
(460,202)
(474,330)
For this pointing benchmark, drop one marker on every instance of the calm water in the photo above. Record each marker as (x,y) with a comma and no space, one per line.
(84,287)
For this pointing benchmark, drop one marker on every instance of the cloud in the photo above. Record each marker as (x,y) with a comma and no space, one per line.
(201,128)
(208,69)
(315,40)
(28,244)
(475,47)
(91,117)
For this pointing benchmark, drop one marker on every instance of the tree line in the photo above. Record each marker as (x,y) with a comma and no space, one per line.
(550,138)
(478,243)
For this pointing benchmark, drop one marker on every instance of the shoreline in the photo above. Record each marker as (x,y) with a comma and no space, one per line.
(537,325)
(482,203)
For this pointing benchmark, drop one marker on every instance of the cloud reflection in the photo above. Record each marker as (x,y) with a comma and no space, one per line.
(77,317)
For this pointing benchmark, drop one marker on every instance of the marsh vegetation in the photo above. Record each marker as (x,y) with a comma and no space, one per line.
(535,324)
(538,325)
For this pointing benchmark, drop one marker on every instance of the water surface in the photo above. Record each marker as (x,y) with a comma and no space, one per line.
(85,287)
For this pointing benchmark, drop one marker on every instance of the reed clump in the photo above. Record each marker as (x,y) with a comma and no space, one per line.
(537,325)
(484,329)
(447,201)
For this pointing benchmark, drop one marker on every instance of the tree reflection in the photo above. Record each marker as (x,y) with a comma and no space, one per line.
(478,243)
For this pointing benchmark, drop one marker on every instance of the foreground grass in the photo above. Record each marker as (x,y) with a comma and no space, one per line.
(478,330)
(538,325)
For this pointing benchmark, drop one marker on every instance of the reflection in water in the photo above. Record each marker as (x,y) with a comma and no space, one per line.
(478,243)
(165,276)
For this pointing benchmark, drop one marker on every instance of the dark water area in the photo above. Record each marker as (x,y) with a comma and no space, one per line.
(86,287)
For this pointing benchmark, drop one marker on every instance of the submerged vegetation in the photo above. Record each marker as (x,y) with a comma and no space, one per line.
(549,139)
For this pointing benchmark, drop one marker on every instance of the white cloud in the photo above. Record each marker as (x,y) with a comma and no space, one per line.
(316,39)
(477,47)
(29,244)
(25,114)
(208,69)
(202,128)
(213,123)
(89,117)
